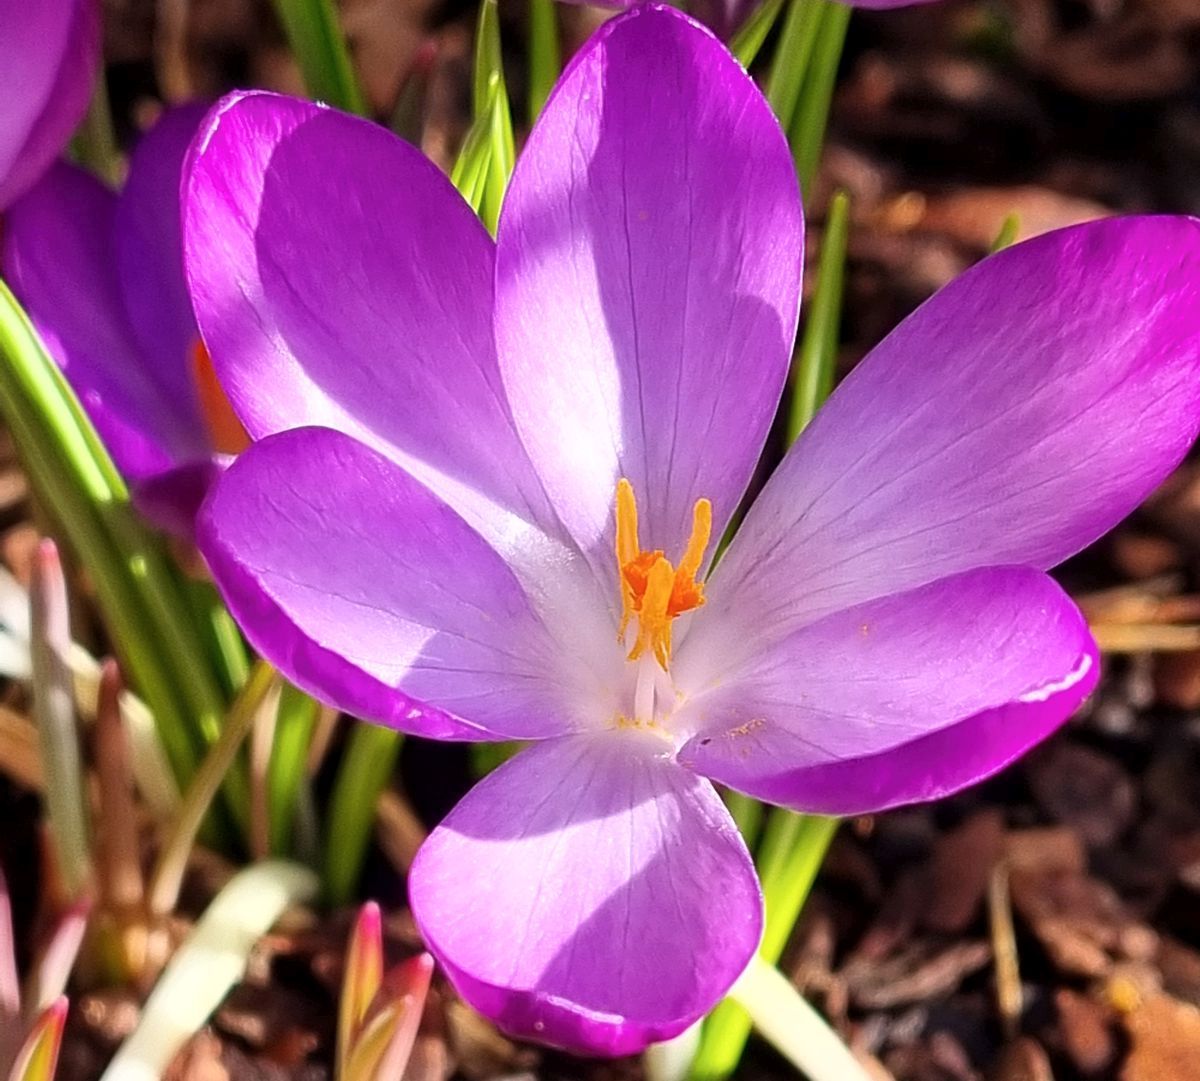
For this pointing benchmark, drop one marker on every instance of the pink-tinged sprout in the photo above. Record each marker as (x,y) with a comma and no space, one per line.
(49,54)
(360,985)
(513,451)
(101,275)
(32,1055)
(379,1015)
(38,1058)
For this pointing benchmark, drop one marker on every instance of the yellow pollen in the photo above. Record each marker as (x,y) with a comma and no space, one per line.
(652,590)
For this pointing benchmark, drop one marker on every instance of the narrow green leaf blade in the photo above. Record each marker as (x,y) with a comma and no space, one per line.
(806,127)
(749,39)
(365,770)
(545,53)
(790,63)
(817,358)
(320,49)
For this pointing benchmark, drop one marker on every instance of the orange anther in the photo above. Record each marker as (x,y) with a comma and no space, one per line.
(652,590)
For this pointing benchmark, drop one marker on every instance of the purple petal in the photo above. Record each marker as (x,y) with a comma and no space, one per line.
(368,591)
(48,60)
(148,250)
(57,254)
(613,901)
(172,499)
(647,279)
(897,700)
(1014,418)
(340,280)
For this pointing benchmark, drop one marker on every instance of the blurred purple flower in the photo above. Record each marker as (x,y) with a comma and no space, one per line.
(518,456)
(101,275)
(49,52)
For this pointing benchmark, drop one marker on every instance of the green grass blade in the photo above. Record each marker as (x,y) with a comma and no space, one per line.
(138,589)
(748,40)
(817,356)
(286,773)
(792,851)
(792,55)
(1007,236)
(806,128)
(489,96)
(364,772)
(320,49)
(545,54)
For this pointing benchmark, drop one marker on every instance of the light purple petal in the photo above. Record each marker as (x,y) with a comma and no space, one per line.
(57,254)
(647,279)
(340,280)
(365,589)
(589,894)
(148,250)
(49,53)
(896,700)
(1014,418)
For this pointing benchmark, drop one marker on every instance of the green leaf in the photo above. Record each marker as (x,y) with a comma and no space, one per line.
(806,127)
(287,770)
(817,357)
(748,40)
(470,171)
(320,49)
(492,114)
(365,770)
(139,590)
(790,63)
(791,853)
(545,54)
(261,692)
(1007,235)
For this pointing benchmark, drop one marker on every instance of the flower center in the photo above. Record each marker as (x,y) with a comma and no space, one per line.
(653,592)
(224,429)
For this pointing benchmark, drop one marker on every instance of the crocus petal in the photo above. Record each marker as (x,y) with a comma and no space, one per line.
(647,279)
(57,254)
(339,280)
(149,253)
(902,699)
(172,499)
(365,589)
(48,60)
(615,901)
(1014,418)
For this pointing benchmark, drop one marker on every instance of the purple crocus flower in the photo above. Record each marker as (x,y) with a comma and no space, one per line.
(515,457)
(101,275)
(49,52)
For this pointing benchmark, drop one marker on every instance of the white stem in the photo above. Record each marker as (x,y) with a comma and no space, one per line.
(793,1027)
(210,961)
(672,1059)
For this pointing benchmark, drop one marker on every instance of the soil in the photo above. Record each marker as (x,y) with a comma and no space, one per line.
(1045,924)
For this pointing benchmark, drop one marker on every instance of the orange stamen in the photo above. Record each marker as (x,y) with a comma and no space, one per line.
(651,588)
(224,429)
